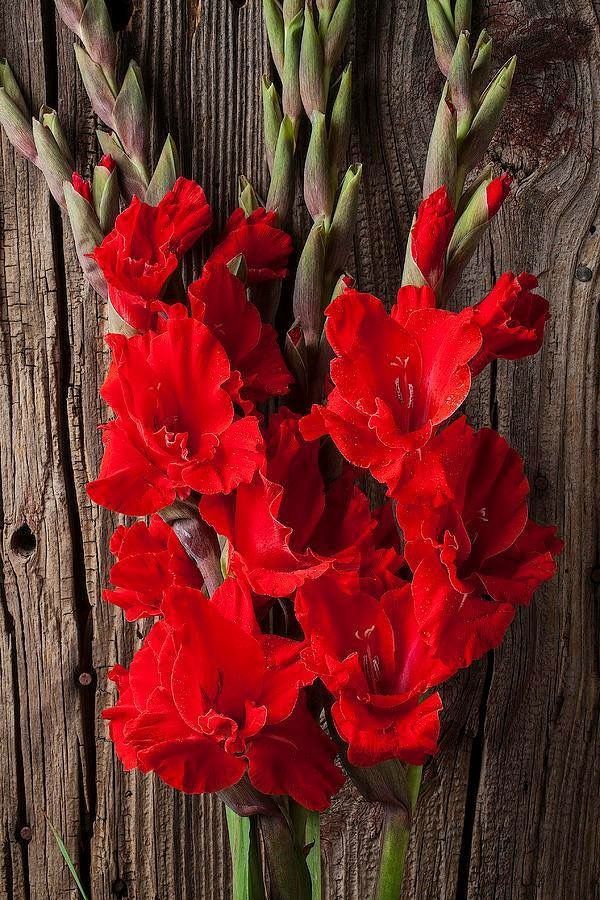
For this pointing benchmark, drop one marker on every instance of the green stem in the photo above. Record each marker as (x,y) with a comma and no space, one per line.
(396,835)
(245,858)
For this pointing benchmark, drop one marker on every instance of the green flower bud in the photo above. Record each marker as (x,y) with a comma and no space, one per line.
(481,65)
(87,235)
(440,168)
(337,34)
(130,115)
(341,118)
(132,181)
(462,16)
(54,166)
(459,86)
(166,173)
(443,36)
(98,37)
(291,99)
(15,122)
(248,199)
(275,32)
(97,87)
(343,224)
(70,12)
(318,186)
(105,194)
(312,69)
(309,287)
(487,117)
(281,188)
(49,117)
(272,116)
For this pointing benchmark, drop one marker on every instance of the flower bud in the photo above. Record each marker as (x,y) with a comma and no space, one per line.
(487,117)
(166,173)
(339,127)
(318,185)
(8,84)
(294,352)
(16,125)
(83,187)
(49,117)
(462,16)
(309,287)
(472,225)
(132,181)
(130,115)
(98,37)
(54,166)
(97,87)
(70,12)
(281,188)
(428,241)
(105,193)
(337,34)
(272,116)
(443,36)
(247,197)
(291,100)
(343,224)
(440,168)
(86,232)
(312,68)
(459,86)
(275,32)
(481,64)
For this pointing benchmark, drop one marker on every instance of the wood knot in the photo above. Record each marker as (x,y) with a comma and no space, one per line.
(23,541)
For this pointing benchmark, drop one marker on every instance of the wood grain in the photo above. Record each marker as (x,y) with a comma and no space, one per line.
(510,805)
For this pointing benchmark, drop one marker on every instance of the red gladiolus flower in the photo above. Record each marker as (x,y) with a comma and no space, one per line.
(82,187)
(145,246)
(396,378)
(430,235)
(175,430)
(371,657)
(265,247)
(474,552)
(208,699)
(512,320)
(219,299)
(150,559)
(285,526)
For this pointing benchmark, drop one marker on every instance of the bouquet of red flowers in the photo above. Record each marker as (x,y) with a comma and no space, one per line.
(298,634)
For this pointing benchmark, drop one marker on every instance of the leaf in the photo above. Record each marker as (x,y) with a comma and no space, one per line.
(67,858)
(243,842)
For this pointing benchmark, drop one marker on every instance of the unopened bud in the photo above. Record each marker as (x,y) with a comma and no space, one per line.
(272,116)
(459,86)
(97,87)
(133,182)
(309,287)
(337,34)
(49,117)
(318,184)
(487,117)
(294,352)
(462,16)
(54,166)
(442,33)
(312,68)
(247,196)
(96,32)
(17,127)
(87,235)
(70,12)
(472,225)
(281,188)
(343,224)
(440,168)
(291,100)
(105,193)
(130,115)
(165,174)
(341,116)
(275,32)
(8,83)
(481,64)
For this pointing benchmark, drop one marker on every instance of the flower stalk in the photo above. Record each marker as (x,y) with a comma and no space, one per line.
(396,836)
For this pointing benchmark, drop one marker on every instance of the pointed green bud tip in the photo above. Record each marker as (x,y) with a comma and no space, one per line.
(275,32)
(248,198)
(238,267)
(9,84)
(166,173)
(17,127)
(442,34)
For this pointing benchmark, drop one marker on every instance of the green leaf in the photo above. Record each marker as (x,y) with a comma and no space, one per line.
(313,860)
(67,858)
(243,842)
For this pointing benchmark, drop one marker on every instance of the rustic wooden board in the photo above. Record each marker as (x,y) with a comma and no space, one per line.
(510,809)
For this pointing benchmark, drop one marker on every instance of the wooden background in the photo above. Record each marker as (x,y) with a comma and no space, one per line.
(511,805)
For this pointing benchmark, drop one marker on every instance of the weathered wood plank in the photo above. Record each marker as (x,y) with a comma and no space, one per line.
(504,814)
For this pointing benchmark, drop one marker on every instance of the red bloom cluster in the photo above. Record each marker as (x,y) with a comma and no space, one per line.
(380,607)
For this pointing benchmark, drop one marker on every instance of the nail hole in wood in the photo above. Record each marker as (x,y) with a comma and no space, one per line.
(23,542)
(119,888)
